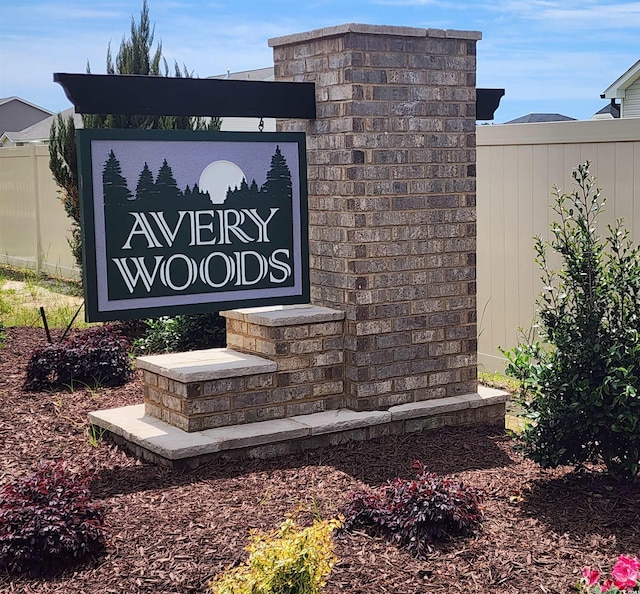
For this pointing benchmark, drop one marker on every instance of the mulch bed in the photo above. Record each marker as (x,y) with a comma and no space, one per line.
(171,532)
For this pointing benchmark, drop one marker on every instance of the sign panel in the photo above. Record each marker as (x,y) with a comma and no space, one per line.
(180,222)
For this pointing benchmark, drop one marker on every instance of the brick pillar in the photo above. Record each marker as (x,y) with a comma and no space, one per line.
(392,213)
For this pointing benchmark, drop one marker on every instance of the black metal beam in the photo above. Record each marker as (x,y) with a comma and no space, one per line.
(487,101)
(161,95)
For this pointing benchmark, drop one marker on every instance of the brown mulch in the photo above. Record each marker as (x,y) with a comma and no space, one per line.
(171,532)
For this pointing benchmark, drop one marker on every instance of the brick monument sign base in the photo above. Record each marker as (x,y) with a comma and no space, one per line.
(388,344)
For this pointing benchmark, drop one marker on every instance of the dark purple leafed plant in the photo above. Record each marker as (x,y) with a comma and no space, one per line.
(97,356)
(416,513)
(48,521)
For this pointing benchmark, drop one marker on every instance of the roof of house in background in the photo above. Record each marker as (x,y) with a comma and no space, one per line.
(616,90)
(255,74)
(4,100)
(17,113)
(611,110)
(540,117)
(39,132)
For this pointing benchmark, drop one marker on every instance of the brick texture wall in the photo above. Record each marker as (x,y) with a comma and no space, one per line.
(392,213)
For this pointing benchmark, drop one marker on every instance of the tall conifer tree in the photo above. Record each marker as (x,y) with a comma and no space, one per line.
(63,164)
(135,56)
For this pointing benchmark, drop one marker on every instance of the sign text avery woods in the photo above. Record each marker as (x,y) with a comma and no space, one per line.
(205,228)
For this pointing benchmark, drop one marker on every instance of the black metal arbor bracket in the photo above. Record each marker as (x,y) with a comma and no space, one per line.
(160,95)
(487,101)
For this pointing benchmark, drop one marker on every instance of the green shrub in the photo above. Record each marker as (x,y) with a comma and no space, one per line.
(415,513)
(182,333)
(48,521)
(286,561)
(579,367)
(96,356)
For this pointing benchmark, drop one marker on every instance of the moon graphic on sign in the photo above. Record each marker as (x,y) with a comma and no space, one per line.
(218,177)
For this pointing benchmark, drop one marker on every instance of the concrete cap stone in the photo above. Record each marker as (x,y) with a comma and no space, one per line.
(371,30)
(158,437)
(205,365)
(490,394)
(171,443)
(484,397)
(426,408)
(254,434)
(343,419)
(284,315)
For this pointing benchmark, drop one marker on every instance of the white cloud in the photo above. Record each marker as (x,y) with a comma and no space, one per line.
(571,15)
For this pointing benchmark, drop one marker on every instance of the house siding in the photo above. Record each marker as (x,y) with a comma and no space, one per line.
(631,101)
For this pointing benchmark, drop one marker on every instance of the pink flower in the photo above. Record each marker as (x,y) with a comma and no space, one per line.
(606,586)
(625,572)
(591,575)
(630,562)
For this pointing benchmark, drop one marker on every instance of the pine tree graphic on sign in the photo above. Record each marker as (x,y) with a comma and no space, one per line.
(146,186)
(114,185)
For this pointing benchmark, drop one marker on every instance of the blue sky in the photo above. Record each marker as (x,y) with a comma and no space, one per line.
(551,56)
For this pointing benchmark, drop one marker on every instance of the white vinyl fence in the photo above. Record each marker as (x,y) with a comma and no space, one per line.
(517,165)
(33,225)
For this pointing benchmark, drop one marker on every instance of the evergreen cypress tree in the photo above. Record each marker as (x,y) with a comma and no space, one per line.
(135,56)
(145,187)
(63,166)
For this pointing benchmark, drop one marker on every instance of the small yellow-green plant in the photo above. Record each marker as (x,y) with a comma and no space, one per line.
(289,560)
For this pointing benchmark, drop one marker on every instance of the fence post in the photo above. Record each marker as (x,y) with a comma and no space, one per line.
(36,195)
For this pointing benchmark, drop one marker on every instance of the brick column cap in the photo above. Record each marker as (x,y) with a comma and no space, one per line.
(372,30)
(284,315)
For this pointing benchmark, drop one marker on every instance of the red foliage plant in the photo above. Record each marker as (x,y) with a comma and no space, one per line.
(96,356)
(48,521)
(416,513)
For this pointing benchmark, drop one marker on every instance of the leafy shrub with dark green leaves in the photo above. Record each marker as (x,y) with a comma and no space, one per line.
(48,521)
(96,356)
(416,513)
(182,333)
(580,367)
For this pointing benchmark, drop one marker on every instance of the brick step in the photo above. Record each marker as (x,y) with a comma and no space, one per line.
(282,361)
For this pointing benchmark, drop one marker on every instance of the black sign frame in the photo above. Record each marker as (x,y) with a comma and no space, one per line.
(98,271)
